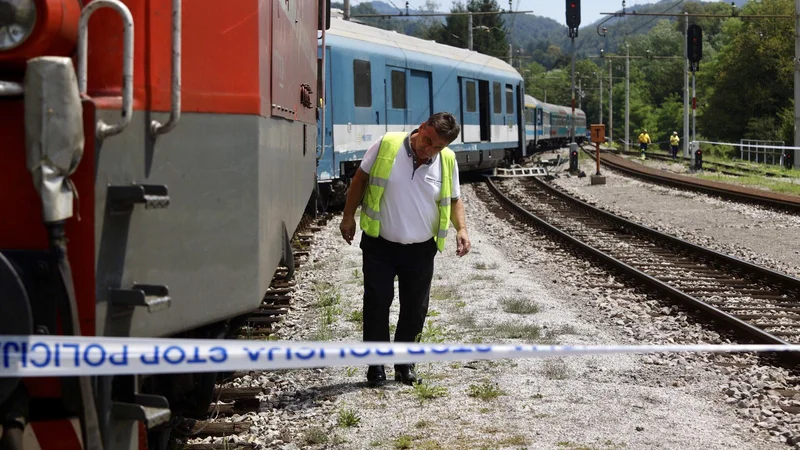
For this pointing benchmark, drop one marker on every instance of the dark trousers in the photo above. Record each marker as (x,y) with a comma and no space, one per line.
(413,265)
(674,152)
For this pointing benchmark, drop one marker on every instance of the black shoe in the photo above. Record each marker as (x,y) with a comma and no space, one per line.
(406,374)
(376,375)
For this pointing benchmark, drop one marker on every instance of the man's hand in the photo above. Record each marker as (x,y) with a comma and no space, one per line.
(348,228)
(462,243)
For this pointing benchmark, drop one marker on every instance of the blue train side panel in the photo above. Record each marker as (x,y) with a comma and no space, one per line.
(380,81)
(548,126)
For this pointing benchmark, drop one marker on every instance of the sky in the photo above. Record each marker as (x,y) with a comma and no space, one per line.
(554,9)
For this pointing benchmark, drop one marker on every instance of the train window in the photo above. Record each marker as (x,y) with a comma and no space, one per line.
(529,116)
(471,103)
(398,89)
(362,83)
(509,99)
(498,100)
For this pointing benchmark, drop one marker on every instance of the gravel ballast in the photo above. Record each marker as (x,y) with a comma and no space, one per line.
(611,401)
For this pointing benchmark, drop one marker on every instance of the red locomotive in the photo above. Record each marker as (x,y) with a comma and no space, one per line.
(155,158)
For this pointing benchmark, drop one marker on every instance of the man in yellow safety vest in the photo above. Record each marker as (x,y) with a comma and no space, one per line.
(674,140)
(644,139)
(407,185)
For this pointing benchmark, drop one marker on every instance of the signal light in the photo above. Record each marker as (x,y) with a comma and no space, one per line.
(695,43)
(573,161)
(573,15)
(698,160)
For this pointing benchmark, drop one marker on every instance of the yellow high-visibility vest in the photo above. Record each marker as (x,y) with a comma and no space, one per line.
(379,177)
(673,140)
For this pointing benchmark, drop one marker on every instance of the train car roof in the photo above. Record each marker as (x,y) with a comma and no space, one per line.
(531,101)
(402,42)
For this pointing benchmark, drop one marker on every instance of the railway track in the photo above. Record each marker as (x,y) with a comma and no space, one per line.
(760,304)
(712,166)
(261,324)
(783,202)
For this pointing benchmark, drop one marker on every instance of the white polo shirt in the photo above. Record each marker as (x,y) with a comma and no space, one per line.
(409,205)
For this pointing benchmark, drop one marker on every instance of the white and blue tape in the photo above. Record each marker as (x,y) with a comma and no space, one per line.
(46,356)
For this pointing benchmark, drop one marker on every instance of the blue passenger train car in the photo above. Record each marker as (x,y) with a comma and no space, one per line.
(379,81)
(547,126)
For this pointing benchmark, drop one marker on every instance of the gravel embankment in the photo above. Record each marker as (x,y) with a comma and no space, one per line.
(611,401)
(761,235)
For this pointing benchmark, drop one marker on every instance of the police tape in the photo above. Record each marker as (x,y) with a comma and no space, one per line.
(56,356)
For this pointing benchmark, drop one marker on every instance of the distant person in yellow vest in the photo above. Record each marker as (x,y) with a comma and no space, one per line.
(644,139)
(407,185)
(674,140)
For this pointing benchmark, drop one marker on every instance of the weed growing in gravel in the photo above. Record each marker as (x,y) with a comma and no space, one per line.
(555,369)
(433,313)
(518,305)
(356,315)
(483,266)
(560,330)
(351,371)
(431,333)
(444,293)
(424,391)
(461,304)
(514,440)
(428,445)
(423,424)
(403,441)
(485,391)
(482,277)
(328,298)
(513,330)
(315,436)
(348,418)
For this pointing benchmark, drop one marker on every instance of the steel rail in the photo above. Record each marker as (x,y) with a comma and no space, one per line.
(690,184)
(756,333)
(746,170)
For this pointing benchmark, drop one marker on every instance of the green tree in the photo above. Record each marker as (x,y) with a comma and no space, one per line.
(752,78)
(489,33)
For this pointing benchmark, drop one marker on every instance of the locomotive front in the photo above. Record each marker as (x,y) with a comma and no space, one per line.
(155,158)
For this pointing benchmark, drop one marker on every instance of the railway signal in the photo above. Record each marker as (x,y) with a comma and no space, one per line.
(573,160)
(694,42)
(573,16)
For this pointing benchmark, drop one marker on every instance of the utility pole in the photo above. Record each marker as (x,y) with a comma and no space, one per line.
(627,95)
(580,95)
(686,85)
(796,79)
(610,104)
(469,33)
(600,107)
(346,9)
(572,122)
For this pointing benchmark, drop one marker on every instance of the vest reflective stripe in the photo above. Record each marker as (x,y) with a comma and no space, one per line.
(379,176)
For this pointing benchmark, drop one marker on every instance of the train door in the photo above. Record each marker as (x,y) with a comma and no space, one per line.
(510,119)
(522,132)
(420,105)
(327,143)
(396,99)
(470,114)
(483,107)
(327,158)
(499,121)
